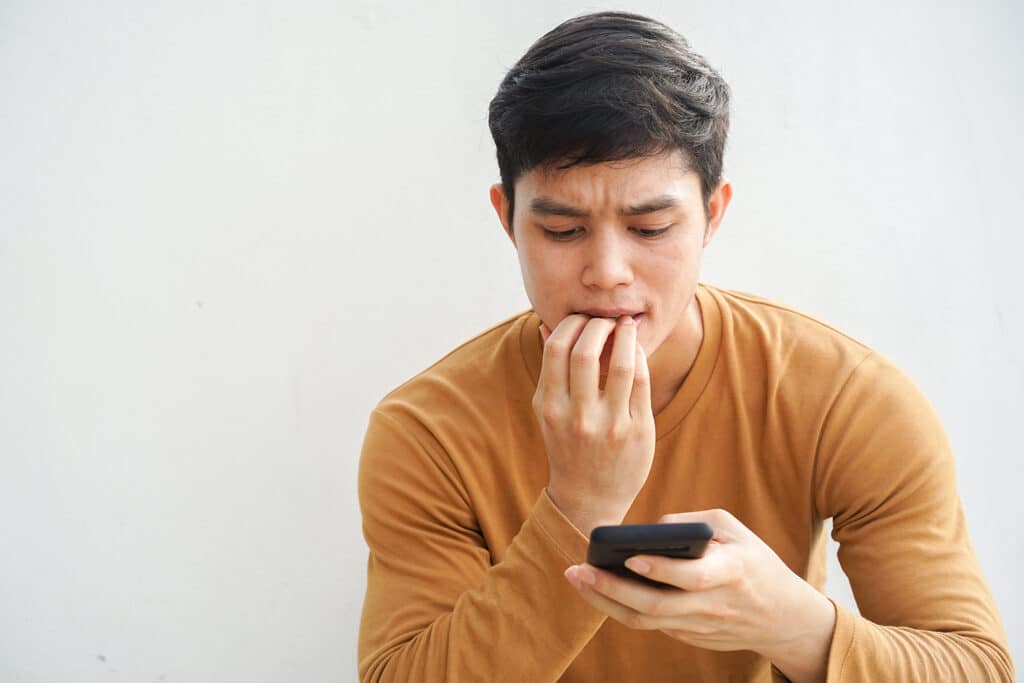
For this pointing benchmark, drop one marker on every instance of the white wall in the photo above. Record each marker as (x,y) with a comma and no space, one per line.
(227,229)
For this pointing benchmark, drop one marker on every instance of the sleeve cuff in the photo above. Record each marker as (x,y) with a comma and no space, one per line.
(843,637)
(567,539)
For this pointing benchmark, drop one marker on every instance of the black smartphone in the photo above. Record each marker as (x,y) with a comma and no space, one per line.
(611,546)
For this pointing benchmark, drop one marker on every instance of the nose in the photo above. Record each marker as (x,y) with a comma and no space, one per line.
(607,261)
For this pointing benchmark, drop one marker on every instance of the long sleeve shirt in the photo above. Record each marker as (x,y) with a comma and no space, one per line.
(782,420)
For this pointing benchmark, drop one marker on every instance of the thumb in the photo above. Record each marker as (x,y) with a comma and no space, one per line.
(722,523)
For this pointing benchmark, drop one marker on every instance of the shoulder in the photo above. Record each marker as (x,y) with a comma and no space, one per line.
(800,346)
(475,373)
(784,345)
(750,314)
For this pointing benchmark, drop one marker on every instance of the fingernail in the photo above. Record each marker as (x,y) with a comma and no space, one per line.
(638,566)
(626,320)
(570,575)
(586,576)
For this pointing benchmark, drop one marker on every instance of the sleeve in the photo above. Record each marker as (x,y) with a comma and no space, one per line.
(435,607)
(886,475)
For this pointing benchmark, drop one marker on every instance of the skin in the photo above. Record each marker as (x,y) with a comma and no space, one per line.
(633,235)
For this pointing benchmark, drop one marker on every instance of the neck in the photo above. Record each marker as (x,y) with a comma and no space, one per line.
(675,357)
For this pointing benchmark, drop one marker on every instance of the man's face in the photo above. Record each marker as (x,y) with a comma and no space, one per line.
(614,238)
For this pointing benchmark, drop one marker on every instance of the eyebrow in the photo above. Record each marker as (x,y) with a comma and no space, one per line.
(660,203)
(552,207)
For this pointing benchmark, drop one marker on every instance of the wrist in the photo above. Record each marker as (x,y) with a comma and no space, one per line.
(583,514)
(802,655)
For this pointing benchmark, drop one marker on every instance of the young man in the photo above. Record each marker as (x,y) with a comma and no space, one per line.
(631,393)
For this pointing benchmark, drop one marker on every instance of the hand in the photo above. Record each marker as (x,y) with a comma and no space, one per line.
(600,442)
(738,596)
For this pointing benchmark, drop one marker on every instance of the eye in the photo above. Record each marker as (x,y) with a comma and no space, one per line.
(561,235)
(651,233)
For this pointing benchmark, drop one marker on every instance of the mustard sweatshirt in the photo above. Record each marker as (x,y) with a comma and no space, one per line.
(783,421)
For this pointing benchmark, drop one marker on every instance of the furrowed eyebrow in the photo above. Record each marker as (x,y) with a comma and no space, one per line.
(665,201)
(552,207)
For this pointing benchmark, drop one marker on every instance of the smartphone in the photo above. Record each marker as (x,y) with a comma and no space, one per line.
(611,546)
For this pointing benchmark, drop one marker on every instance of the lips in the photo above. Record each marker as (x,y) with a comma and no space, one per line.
(615,313)
(610,312)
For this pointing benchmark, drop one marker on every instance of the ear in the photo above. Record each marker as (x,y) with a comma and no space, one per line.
(718,202)
(500,203)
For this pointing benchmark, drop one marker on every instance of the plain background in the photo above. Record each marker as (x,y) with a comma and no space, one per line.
(228,229)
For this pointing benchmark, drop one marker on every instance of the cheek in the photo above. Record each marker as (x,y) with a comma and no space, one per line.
(544,279)
(542,268)
(670,279)
(670,268)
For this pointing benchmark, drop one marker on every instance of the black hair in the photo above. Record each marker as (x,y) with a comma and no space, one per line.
(607,87)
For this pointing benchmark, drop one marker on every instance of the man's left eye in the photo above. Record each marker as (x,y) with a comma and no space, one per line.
(650,233)
(560,234)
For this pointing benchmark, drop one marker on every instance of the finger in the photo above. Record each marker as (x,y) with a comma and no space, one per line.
(557,349)
(544,331)
(641,597)
(622,365)
(726,527)
(585,364)
(693,618)
(715,569)
(616,610)
(640,396)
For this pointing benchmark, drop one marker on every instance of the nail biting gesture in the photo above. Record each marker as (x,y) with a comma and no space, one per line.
(600,442)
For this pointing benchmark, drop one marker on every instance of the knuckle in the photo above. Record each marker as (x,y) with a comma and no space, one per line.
(582,424)
(720,612)
(583,356)
(678,634)
(620,370)
(619,431)
(641,378)
(743,585)
(704,629)
(548,412)
(721,517)
(555,347)
(634,620)
(658,608)
(701,579)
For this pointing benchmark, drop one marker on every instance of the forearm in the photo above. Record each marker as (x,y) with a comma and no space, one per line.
(523,603)
(883,653)
(862,650)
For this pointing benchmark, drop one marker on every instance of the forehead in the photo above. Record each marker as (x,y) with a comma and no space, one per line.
(613,182)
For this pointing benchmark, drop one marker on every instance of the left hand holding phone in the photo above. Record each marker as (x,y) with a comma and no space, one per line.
(739,596)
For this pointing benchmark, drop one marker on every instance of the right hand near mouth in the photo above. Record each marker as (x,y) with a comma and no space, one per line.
(600,443)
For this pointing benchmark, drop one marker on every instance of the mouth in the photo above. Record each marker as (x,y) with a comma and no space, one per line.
(615,314)
(639,317)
